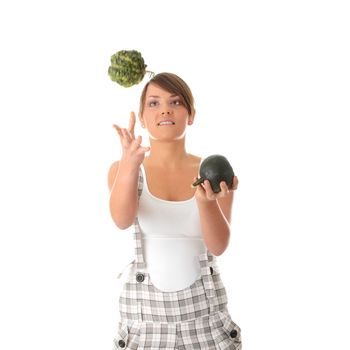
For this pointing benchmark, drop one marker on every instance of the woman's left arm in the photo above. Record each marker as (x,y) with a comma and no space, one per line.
(215,214)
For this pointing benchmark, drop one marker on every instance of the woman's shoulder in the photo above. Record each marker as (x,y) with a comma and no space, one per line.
(112,172)
(194,159)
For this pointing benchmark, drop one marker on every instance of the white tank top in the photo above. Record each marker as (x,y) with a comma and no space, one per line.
(172,239)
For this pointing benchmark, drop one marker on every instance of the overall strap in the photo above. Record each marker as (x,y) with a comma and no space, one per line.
(207,263)
(211,257)
(140,261)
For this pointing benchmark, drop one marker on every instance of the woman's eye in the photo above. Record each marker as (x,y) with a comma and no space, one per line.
(152,103)
(176,102)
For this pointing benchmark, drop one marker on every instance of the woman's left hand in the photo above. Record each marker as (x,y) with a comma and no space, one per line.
(205,193)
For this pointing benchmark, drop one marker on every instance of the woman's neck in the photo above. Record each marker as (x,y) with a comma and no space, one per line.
(170,154)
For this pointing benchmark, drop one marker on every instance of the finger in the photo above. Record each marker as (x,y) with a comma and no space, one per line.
(115,126)
(126,134)
(131,127)
(138,140)
(143,149)
(136,146)
(126,140)
(235,183)
(224,188)
(208,189)
(136,143)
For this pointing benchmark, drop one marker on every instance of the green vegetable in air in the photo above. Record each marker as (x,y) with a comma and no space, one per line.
(215,168)
(127,68)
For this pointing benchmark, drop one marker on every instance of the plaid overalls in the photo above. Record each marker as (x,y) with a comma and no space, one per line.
(192,318)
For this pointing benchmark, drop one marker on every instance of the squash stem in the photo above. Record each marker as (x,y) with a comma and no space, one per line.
(199,181)
(150,73)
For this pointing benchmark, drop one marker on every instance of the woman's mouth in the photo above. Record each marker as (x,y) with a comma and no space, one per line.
(166,122)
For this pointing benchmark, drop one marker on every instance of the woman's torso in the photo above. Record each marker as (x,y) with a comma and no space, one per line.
(169,220)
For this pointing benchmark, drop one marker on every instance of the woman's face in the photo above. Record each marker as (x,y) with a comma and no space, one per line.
(164,114)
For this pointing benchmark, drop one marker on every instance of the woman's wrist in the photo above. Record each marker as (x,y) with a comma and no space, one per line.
(128,166)
(205,201)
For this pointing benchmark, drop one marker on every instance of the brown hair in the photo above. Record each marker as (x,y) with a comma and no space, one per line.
(173,84)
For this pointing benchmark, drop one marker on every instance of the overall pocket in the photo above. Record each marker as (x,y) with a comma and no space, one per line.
(227,334)
(127,337)
(157,335)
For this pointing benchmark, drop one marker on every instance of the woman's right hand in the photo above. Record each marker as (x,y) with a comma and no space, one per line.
(133,152)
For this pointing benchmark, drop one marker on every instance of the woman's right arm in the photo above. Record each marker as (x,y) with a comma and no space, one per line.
(123,177)
(123,186)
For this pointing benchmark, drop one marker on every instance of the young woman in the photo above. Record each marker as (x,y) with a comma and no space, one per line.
(174,297)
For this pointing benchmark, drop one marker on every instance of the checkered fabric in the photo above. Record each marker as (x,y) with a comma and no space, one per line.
(193,318)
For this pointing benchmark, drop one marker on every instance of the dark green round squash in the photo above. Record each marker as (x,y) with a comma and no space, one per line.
(215,168)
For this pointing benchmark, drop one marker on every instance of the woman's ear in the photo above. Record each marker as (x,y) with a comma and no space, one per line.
(141,121)
(191,117)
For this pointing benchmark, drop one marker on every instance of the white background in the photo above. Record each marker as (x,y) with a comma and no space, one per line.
(271,82)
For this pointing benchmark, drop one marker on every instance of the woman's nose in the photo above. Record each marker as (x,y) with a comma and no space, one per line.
(167,112)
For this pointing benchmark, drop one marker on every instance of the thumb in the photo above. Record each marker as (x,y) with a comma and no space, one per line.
(139,139)
(144,149)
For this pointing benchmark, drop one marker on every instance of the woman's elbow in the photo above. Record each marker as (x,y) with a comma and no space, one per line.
(220,248)
(122,226)
(122,223)
(218,252)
